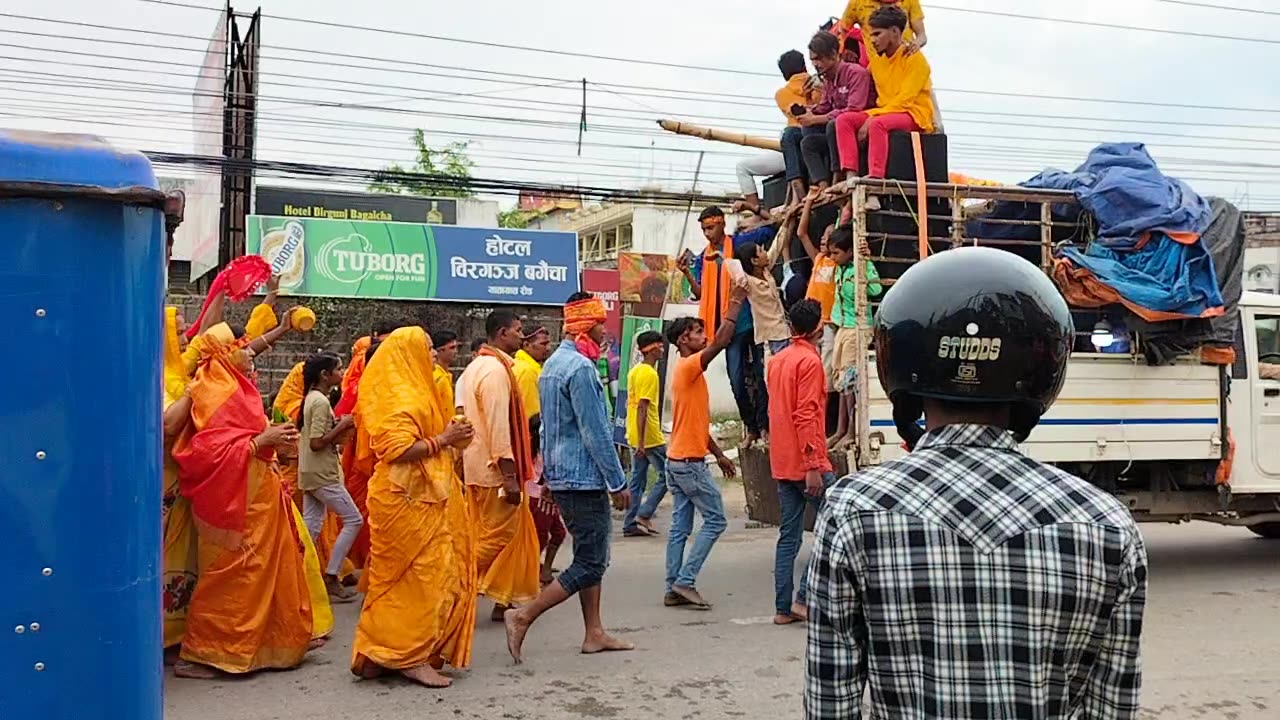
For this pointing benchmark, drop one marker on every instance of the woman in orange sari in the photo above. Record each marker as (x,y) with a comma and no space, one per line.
(251,609)
(420,607)
(356,474)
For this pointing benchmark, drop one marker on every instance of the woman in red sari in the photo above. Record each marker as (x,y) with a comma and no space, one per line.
(251,609)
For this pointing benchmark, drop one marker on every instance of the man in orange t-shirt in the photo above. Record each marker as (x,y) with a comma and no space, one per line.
(688,476)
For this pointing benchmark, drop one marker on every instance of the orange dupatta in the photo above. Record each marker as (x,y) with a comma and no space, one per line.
(712,282)
(226,412)
(521,440)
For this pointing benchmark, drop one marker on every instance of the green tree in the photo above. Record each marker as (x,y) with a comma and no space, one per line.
(514,218)
(450,161)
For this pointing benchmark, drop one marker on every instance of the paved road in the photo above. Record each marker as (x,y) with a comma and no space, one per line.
(1212,648)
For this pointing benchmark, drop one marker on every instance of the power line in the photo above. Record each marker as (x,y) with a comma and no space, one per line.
(575,106)
(1215,6)
(481,43)
(737,97)
(1091,23)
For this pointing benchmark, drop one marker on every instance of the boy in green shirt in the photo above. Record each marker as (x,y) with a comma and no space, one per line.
(844,315)
(644,435)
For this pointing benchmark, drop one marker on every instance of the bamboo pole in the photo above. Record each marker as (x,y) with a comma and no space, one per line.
(725,136)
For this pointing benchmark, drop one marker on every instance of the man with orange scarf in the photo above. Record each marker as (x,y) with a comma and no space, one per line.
(420,606)
(581,468)
(251,608)
(708,276)
(496,467)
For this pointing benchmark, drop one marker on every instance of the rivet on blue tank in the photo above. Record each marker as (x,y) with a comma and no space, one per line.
(40,455)
(39,667)
(47,572)
(35,627)
(41,312)
(19,630)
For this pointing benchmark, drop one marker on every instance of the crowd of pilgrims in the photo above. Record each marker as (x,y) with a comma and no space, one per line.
(368,480)
(348,486)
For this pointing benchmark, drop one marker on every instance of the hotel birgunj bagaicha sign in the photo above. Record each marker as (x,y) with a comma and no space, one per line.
(408,261)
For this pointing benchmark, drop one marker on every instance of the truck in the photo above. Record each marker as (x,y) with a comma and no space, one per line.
(1175,442)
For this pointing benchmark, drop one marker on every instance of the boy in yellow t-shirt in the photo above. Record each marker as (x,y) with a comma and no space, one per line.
(644,435)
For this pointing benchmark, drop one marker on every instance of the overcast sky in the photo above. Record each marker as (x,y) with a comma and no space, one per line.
(60,83)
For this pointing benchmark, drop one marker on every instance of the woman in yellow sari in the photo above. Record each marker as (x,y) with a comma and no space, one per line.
(251,609)
(177,524)
(420,608)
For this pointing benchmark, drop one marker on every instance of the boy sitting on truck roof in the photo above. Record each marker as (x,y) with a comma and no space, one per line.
(904,88)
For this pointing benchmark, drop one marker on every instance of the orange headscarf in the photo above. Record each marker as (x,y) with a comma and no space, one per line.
(226,414)
(289,399)
(398,406)
(579,317)
(351,380)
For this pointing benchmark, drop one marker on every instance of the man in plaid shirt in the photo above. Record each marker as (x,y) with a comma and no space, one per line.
(967,580)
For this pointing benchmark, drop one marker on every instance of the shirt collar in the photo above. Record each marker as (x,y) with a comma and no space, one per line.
(804,343)
(984,436)
(523,355)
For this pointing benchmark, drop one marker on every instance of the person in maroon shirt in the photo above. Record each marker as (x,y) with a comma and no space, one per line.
(797,448)
(846,86)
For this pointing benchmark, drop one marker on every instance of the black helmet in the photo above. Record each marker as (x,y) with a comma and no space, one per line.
(976,325)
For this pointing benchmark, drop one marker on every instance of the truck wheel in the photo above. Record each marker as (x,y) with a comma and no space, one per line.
(1268,530)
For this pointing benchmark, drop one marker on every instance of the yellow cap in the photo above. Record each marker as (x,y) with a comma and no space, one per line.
(304,318)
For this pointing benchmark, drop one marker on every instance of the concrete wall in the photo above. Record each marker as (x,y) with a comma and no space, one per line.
(473,212)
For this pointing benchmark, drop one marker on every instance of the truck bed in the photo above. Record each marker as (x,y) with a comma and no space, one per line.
(1112,409)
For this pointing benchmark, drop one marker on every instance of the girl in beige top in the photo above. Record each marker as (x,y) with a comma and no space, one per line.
(767,315)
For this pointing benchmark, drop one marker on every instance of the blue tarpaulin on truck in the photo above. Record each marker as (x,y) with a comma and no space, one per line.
(1148,254)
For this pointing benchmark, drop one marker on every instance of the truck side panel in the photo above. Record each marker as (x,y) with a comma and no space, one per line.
(1111,409)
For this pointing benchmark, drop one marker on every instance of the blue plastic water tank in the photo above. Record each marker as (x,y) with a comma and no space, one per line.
(82,277)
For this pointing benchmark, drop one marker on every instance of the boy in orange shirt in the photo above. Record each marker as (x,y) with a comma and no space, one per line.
(688,477)
(822,285)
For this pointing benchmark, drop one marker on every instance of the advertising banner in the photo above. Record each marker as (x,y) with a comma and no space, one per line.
(631,327)
(404,261)
(603,284)
(369,207)
(198,237)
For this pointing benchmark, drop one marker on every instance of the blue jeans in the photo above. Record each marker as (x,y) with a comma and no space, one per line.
(692,488)
(791,154)
(743,357)
(642,506)
(793,500)
(589,517)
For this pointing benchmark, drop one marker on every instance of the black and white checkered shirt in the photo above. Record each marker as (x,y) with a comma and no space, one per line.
(967,580)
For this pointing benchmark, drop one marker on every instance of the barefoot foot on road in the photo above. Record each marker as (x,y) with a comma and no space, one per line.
(515,634)
(195,671)
(428,676)
(604,642)
(800,612)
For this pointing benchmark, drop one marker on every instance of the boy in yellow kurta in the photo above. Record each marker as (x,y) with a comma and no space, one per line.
(904,87)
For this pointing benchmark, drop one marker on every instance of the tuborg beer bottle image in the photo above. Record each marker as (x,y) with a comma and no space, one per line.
(284,248)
